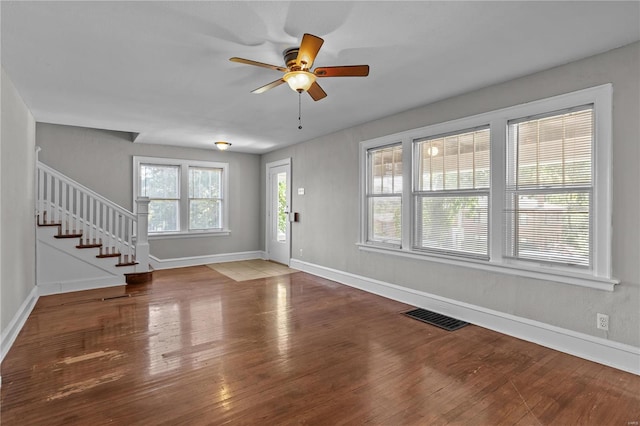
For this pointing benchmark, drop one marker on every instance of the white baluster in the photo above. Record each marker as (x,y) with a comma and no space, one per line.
(110,213)
(76,209)
(63,206)
(41,204)
(51,198)
(130,238)
(116,229)
(105,226)
(85,217)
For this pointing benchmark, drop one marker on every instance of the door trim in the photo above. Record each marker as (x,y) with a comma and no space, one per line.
(283,162)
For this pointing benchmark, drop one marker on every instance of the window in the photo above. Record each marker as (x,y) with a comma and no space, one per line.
(205,199)
(384,194)
(452,193)
(162,185)
(185,196)
(523,190)
(549,187)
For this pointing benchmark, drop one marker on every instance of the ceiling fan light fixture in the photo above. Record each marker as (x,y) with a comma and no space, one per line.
(223,145)
(299,81)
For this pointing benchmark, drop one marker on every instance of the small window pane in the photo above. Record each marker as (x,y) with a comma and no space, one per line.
(163,215)
(204,183)
(454,224)
(385,165)
(157,181)
(454,162)
(554,151)
(385,217)
(205,214)
(551,227)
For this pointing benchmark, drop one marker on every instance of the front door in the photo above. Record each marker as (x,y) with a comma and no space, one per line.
(278,196)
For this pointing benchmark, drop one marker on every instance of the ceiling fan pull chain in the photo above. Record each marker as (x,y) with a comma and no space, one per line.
(299,110)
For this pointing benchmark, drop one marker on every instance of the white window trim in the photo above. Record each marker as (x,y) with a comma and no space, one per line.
(599,276)
(368,195)
(184,191)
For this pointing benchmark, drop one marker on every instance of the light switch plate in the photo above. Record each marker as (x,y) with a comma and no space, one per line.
(300,191)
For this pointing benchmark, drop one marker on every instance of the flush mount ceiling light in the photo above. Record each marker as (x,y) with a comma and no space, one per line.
(223,145)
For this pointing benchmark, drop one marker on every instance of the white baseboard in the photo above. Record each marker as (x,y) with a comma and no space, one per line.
(182,262)
(10,333)
(617,355)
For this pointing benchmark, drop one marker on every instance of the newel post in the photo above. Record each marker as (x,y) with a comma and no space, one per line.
(142,239)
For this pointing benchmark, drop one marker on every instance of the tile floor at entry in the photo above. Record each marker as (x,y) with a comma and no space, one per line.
(246,270)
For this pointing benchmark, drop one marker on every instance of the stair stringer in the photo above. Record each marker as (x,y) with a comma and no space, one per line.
(63,268)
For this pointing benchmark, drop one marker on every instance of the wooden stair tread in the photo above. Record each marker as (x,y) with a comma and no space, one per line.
(45,223)
(127,263)
(102,255)
(93,245)
(69,235)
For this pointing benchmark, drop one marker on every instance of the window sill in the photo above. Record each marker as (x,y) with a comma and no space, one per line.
(191,234)
(547,274)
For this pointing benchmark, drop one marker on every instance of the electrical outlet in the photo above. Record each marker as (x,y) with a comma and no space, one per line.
(602,321)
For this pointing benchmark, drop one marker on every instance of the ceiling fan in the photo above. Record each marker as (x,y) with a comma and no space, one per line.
(298,72)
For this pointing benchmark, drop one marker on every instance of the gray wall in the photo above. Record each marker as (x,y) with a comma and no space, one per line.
(327,168)
(17,232)
(102,160)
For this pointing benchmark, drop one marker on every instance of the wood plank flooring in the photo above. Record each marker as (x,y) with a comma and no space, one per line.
(195,347)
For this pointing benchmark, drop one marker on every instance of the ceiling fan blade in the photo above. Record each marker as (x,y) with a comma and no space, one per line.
(268,86)
(309,48)
(316,92)
(343,71)
(258,64)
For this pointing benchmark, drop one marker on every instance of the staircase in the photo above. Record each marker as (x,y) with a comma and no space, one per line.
(110,243)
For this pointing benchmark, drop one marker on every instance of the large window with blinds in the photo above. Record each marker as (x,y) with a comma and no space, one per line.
(186,197)
(384,195)
(451,194)
(549,187)
(525,189)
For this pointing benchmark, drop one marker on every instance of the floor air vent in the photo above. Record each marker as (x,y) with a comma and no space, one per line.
(433,318)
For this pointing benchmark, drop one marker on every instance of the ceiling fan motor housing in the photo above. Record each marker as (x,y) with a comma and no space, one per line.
(290,56)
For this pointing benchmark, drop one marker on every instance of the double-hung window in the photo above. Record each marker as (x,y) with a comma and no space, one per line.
(186,197)
(161,183)
(384,195)
(525,190)
(451,193)
(549,190)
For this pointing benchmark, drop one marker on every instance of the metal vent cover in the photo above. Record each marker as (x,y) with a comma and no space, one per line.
(434,318)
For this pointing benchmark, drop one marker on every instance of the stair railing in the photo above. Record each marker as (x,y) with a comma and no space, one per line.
(78,209)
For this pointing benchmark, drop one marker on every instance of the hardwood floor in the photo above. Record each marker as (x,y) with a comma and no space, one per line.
(195,347)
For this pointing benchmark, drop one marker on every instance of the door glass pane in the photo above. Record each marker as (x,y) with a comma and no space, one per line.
(281,226)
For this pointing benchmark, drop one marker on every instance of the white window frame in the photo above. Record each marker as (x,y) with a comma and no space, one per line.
(370,195)
(416,194)
(598,276)
(184,166)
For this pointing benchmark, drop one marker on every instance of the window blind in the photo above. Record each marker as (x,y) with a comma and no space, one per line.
(384,194)
(549,187)
(451,196)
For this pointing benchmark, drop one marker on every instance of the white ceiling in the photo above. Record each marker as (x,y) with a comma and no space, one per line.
(162,69)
